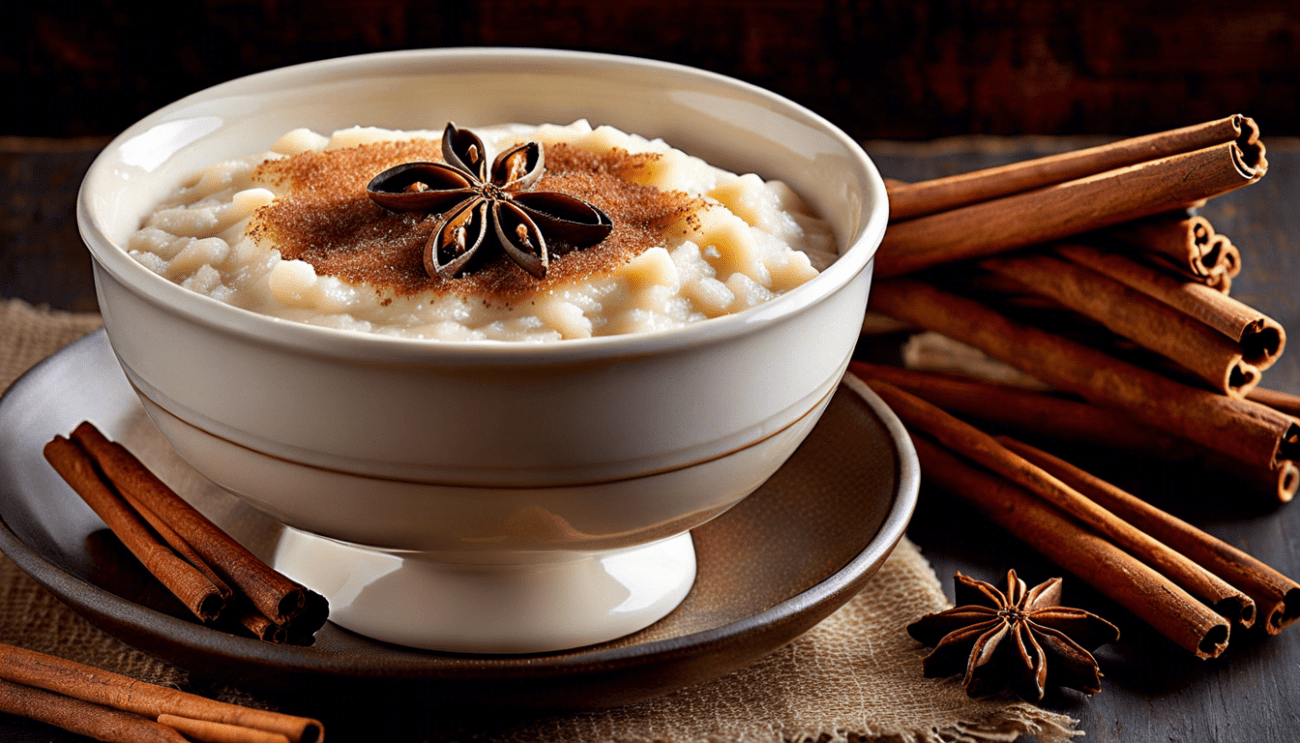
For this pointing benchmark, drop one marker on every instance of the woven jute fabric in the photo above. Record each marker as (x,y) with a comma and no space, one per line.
(856,676)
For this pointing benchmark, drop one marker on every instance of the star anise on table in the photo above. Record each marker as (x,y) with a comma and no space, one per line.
(1023,639)
(475,210)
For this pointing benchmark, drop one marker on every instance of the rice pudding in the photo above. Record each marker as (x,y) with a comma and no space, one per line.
(291,233)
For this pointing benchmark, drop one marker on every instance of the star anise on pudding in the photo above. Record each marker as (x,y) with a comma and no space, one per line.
(477,206)
(1023,639)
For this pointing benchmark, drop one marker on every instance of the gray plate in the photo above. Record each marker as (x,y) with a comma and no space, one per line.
(769,569)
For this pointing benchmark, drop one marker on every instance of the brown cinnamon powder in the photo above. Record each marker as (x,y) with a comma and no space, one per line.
(326,219)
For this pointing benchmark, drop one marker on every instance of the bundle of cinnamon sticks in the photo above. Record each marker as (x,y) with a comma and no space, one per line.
(214,576)
(1087,272)
(109,707)
(1187,584)
(1036,201)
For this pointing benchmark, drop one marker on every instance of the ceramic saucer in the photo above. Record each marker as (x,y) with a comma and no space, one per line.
(768,569)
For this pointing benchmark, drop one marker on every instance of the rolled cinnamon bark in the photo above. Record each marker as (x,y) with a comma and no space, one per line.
(1007,291)
(217,732)
(273,594)
(1030,411)
(1223,257)
(1286,475)
(1184,240)
(83,718)
(196,592)
(1064,420)
(302,629)
(1219,282)
(908,200)
(1244,430)
(979,447)
(1276,596)
(1137,316)
(174,540)
(1223,260)
(259,626)
(1261,337)
(1124,579)
(1282,402)
(1067,209)
(98,686)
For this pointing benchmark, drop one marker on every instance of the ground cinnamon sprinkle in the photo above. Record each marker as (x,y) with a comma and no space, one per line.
(326,219)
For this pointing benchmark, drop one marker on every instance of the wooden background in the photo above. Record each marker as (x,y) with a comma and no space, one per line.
(890,69)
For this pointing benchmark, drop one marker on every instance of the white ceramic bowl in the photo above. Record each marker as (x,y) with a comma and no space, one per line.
(487,497)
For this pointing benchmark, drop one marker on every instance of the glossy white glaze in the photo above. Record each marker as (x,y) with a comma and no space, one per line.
(462,523)
(584,445)
(519,607)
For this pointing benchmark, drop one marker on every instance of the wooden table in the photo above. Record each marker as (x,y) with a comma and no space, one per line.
(1152,691)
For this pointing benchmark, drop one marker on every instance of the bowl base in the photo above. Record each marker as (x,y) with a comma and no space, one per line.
(543,602)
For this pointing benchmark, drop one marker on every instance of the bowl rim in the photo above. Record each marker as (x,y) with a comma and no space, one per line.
(261,329)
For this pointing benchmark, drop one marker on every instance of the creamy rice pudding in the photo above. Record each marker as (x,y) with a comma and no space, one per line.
(291,233)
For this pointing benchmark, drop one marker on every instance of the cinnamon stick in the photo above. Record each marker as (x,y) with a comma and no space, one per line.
(1007,291)
(979,447)
(1220,282)
(1065,420)
(935,352)
(1261,337)
(1223,257)
(1030,411)
(1137,316)
(196,592)
(908,200)
(1287,476)
(1244,430)
(1276,596)
(277,597)
(1282,402)
(101,687)
(1066,209)
(174,540)
(301,629)
(216,732)
(83,718)
(1184,240)
(1129,582)
(259,626)
(1282,480)
(874,323)
(1223,261)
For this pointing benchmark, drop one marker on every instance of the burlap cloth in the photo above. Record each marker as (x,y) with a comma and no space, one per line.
(855,676)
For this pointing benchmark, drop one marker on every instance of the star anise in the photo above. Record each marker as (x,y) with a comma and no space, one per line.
(1011,639)
(474,209)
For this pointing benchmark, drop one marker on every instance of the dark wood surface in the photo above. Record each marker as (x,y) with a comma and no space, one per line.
(904,70)
(1152,691)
